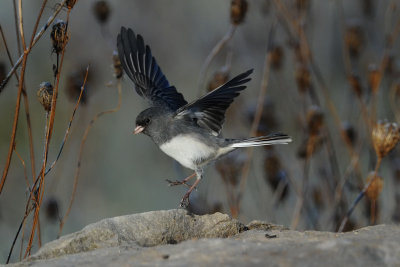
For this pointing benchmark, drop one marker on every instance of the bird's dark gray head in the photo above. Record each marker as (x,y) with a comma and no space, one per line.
(151,121)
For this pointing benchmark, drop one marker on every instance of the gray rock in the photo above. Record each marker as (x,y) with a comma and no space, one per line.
(174,238)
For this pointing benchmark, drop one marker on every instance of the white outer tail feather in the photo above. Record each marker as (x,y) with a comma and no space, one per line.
(262,141)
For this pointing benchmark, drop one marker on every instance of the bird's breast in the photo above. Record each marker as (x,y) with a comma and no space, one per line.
(188,150)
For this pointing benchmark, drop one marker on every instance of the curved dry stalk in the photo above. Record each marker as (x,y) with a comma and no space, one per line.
(360,196)
(26,104)
(78,167)
(217,48)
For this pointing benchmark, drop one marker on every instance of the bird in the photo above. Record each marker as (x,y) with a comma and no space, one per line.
(189,132)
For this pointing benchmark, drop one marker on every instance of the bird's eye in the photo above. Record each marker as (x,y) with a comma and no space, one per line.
(147,121)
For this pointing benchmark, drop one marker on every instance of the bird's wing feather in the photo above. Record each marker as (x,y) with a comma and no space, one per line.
(143,70)
(209,111)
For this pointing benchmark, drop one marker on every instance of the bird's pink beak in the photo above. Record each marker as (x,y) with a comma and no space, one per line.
(138,129)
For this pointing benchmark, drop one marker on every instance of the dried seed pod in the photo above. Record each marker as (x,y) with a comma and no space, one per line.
(385,137)
(368,7)
(118,70)
(276,57)
(275,175)
(52,209)
(230,167)
(355,84)
(219,78)
(354,38)
(101,10)
(315,120)
(375,186)
(310,145)
(238,11)
(318,198)
(59,35)
(374,77)
(74,85)
(349,132)
(302,5)
(303,78)
(70,4)
(268,121)
(45,95)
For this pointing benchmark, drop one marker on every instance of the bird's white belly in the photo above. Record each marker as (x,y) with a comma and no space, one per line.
(188,151)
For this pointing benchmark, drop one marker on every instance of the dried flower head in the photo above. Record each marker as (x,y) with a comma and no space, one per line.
(74,84)
(52,209)
(268,121)
(385,136)
(355,84)
(238,11)
(349,132)
(354,38)
(220,77)
(310,145)
(70,4)
(101,10)
(45,95)
(303,78)
(59,35)
(118,70)
(230,167)
(276,56)
(375,186)
(374,77)
(275,175)
(315,120)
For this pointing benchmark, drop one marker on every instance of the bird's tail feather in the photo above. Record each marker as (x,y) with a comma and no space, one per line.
(272,139)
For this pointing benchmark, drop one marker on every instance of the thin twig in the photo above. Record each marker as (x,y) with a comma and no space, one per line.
(217,48)
(78,167)
(69,124)
(47,142)
(26,104)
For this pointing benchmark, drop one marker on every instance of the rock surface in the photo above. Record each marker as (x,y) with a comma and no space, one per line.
(176,238)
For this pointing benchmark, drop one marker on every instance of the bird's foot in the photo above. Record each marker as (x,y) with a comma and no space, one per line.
(177,182)
(185,200)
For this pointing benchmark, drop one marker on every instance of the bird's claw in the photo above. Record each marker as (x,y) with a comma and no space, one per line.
(185,201)
(176,182)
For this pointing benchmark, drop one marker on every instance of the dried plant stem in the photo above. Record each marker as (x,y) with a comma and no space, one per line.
(33,43)
(255,123)
(47,142)
(360,196)
(70,123)
(217,48)
(78,167)
(20,89)
(26,104)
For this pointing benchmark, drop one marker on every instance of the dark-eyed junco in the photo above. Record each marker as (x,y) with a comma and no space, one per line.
(187,132)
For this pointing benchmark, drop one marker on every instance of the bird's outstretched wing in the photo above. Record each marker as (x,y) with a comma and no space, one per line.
(142,68)
(209,111)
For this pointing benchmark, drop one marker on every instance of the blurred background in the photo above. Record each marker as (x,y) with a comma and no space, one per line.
(324,72)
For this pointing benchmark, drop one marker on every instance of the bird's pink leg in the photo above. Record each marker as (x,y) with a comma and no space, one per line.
(180,182)
(185,199)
